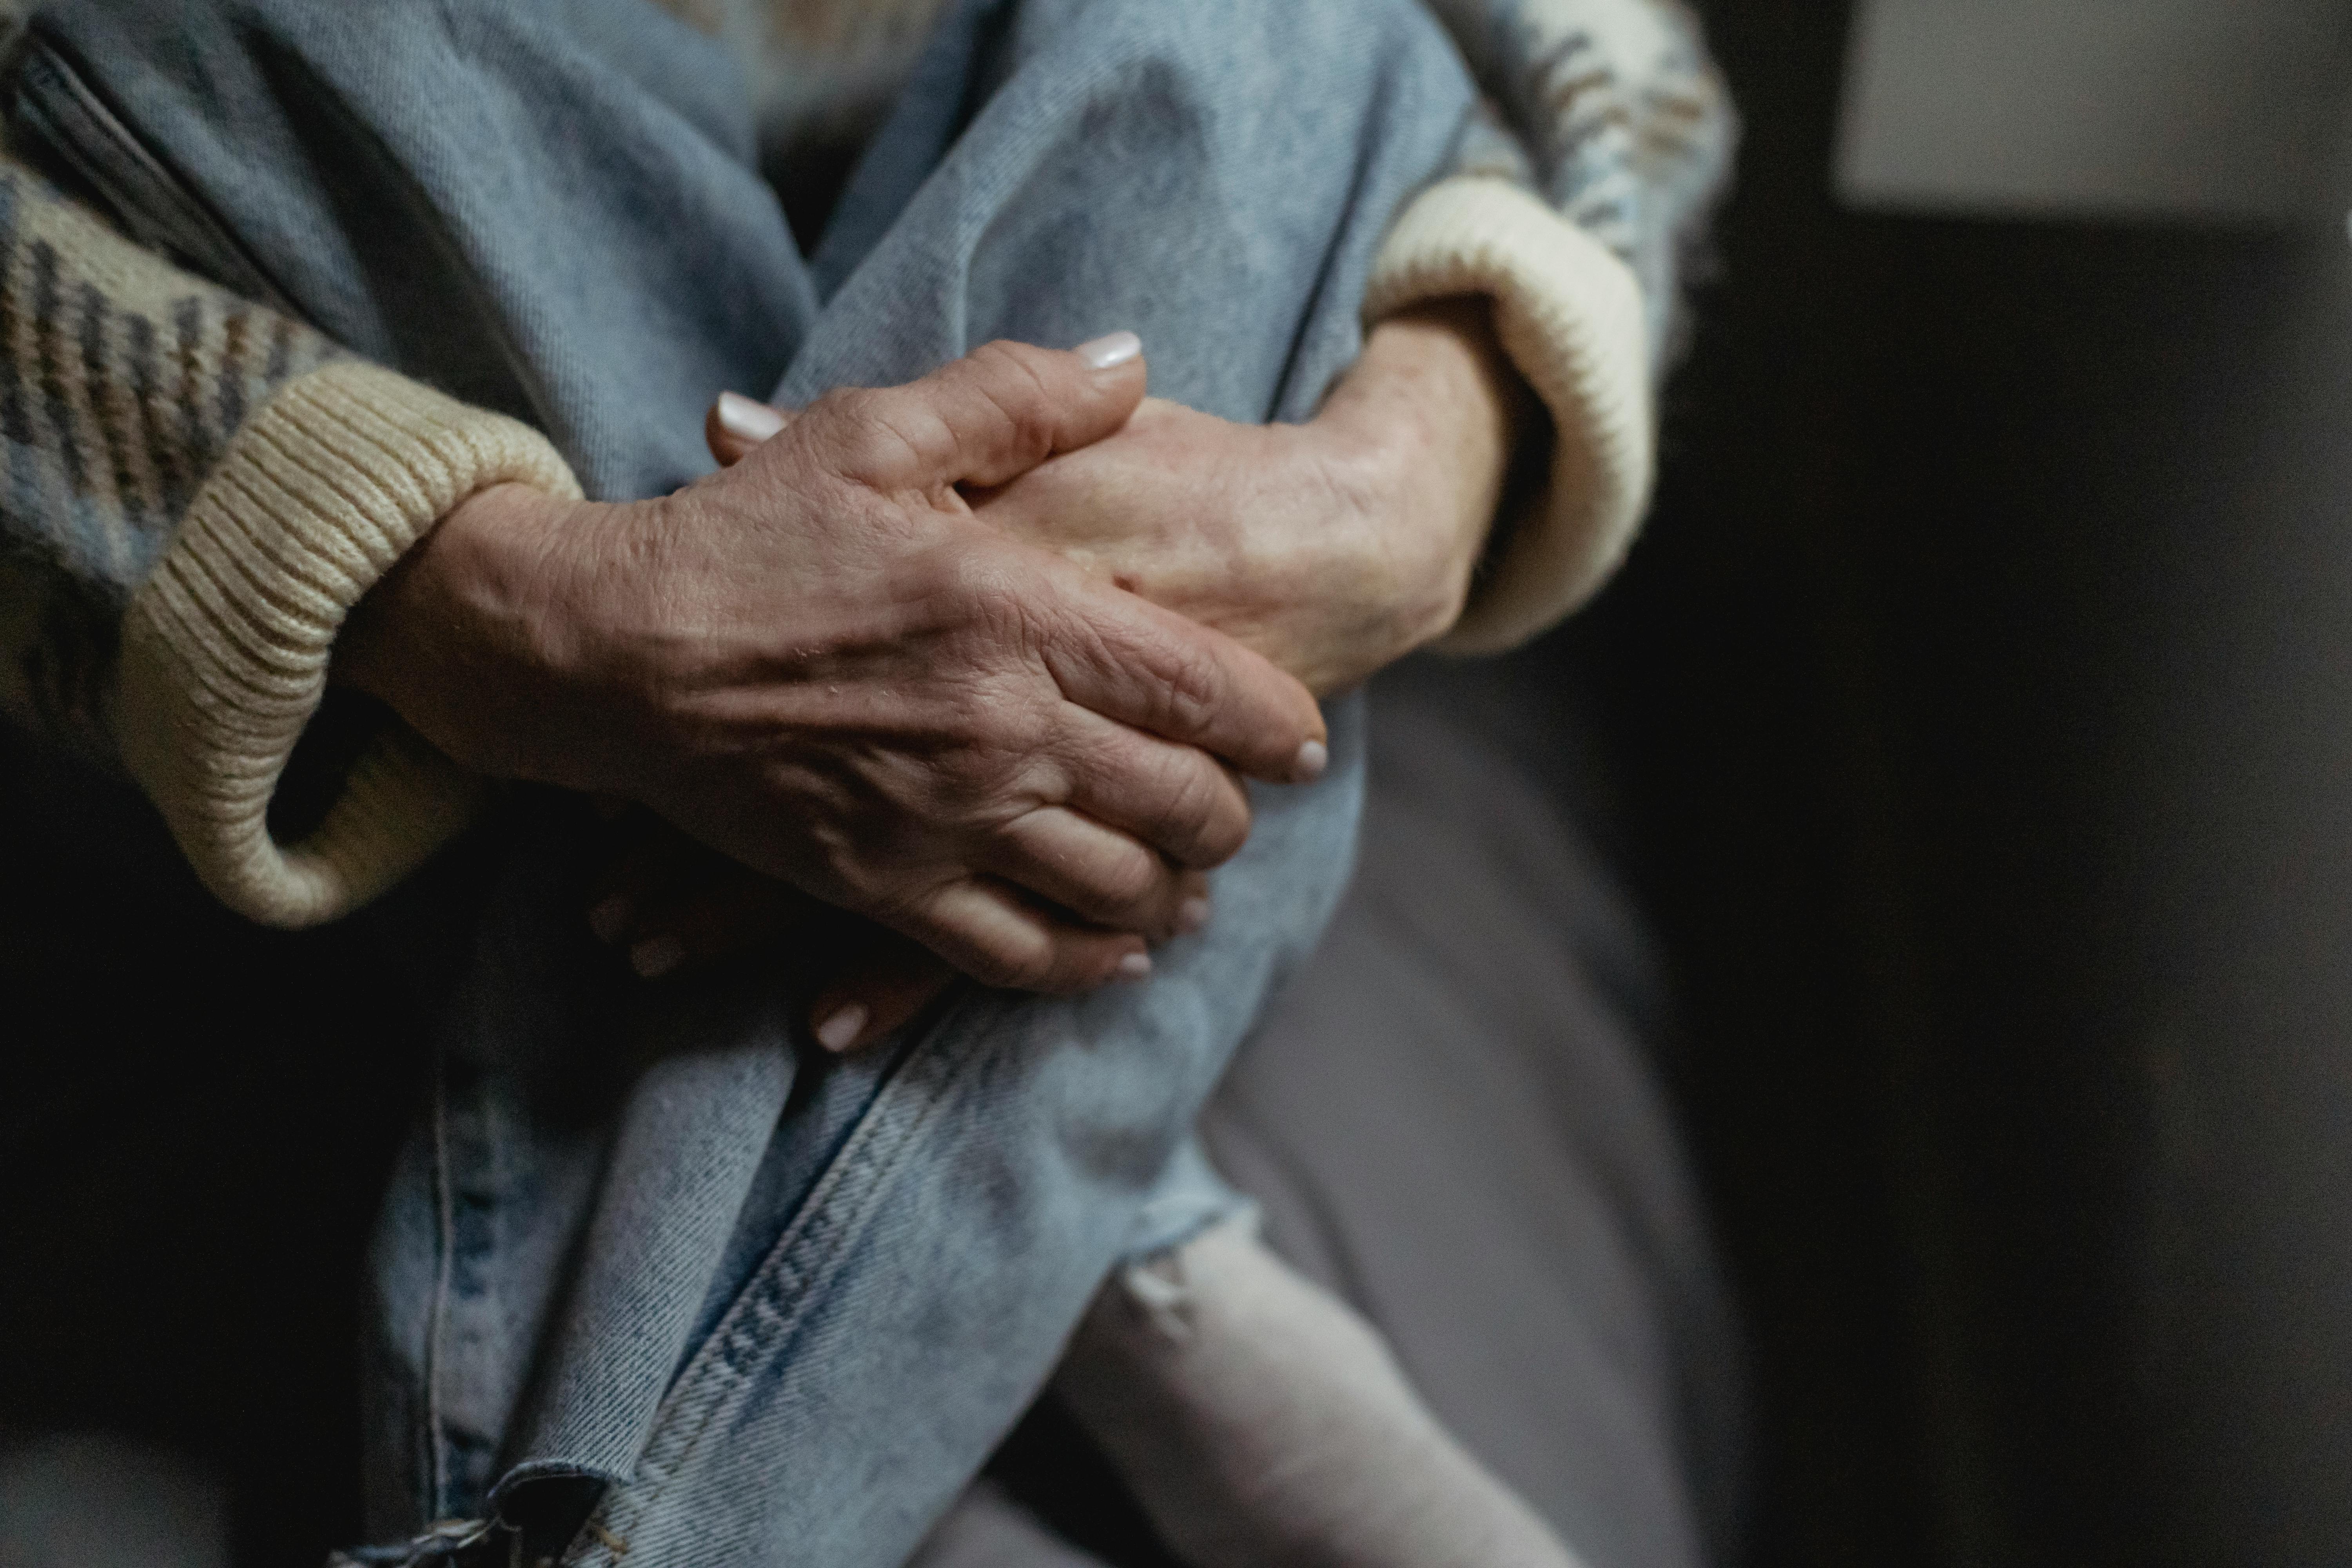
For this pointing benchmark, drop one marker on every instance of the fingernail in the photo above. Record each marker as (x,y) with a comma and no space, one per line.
(840,1032)
(657,956)
(1313,758)
(1191,915)
(746,420)
(610,920)
(1112,349)
(1134,966)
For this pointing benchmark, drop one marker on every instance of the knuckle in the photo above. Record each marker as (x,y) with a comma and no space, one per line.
(1189,818)
(1222,837)
(1131,879)
(996,592)
(1024,967)
(839,417)
(880,431)
(1012,378)
(1191,687)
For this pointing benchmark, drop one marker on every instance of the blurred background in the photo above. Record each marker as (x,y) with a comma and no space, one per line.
(1975,721)
(1980,712)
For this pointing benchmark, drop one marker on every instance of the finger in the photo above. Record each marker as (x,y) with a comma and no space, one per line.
(1178,799)
(882,990)
(987,930)
(737,423)
(996,413)
(1130,660)
(1095,873)
(1194,907)
(668,903)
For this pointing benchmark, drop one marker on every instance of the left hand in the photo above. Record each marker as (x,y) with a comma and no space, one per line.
(1333,548)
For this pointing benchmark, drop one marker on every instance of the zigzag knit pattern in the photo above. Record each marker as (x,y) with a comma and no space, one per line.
(196,488)
(122,382)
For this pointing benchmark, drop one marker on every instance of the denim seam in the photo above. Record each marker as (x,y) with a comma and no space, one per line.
(444,1263)
(759,1328)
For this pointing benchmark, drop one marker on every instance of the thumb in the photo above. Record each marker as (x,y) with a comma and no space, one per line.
(1000,411)
(735,424)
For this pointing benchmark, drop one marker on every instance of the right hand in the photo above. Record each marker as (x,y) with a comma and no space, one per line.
(670,904)
(817,663)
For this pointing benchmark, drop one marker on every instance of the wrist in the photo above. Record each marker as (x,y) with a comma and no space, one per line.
(1427,422)
(456,635)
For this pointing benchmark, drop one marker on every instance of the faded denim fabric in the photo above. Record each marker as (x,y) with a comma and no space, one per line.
(648,1255)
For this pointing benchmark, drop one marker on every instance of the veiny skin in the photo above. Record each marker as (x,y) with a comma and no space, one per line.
(954,729)
(819,663)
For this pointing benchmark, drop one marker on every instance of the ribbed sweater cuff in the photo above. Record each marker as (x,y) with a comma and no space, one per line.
(225,646)
(1568,313)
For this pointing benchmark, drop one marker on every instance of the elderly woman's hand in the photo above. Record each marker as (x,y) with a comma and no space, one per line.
(1333,548)
(818,663)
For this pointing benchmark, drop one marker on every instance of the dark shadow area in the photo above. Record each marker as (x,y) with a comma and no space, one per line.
(1973,710)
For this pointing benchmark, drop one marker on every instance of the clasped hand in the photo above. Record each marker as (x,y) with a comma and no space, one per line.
(914,655)
(818,663)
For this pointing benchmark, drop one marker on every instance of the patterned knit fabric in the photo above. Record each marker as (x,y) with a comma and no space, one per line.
(1612,113)
(173,562)
(121,381)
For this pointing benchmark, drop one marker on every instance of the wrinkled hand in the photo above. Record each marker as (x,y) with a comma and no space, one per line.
(671,905)
(1332,548)
(817,663)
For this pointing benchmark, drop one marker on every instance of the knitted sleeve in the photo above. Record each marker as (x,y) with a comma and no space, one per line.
(1577,197)
(196,489)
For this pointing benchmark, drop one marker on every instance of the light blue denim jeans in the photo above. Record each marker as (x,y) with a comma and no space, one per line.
(649,1259)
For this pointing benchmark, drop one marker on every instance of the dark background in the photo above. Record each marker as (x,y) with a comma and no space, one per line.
(1977,711)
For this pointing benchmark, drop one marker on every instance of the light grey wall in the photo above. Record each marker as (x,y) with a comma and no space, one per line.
(2234,110)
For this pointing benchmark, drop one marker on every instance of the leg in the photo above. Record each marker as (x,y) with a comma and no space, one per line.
(1261,1424)
(1450,1118)
(933,1224)
(1528,1237)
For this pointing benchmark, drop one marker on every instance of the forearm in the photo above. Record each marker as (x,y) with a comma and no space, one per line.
(200,487)
(1433,414)
(1575,193)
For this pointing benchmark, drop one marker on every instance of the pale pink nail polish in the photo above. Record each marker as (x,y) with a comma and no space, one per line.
(1313,758)
(610,920)
(1111,349)
(1134,966)
(657,956)
(840,1031)
(746,420)
(1191,915)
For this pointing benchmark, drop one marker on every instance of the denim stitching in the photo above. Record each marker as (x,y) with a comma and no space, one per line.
(445,1245)
(758,1329)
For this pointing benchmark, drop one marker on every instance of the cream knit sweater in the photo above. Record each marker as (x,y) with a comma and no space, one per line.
(320,471)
